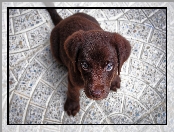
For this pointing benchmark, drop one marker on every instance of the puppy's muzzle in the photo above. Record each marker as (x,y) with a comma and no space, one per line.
(97,92)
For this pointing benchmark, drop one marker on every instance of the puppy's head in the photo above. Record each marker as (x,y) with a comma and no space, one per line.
(99,56)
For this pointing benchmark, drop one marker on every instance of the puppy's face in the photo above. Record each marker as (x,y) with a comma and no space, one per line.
(98,55)
(97,63)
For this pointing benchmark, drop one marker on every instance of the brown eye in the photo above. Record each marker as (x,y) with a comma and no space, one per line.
(109,67)
(84,66)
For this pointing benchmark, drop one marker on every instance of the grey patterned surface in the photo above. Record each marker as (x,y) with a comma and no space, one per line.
(38,84)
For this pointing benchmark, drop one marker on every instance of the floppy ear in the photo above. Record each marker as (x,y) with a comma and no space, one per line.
(122,47)
(72,46)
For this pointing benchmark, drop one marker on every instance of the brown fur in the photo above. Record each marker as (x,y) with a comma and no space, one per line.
(79,42)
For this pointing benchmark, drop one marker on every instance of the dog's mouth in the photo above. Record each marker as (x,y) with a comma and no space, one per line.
(96,94)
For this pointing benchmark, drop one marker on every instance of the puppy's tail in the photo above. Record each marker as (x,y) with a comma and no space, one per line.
(54,16)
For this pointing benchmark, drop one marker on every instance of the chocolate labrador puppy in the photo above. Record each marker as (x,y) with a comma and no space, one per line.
(94,57)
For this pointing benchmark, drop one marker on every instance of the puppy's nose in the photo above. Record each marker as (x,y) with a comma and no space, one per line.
(97,92)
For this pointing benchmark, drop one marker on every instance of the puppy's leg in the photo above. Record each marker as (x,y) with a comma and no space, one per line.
(72,105)
(115,83)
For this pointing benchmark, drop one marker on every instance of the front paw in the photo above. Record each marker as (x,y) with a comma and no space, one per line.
(71,107)
(115,85)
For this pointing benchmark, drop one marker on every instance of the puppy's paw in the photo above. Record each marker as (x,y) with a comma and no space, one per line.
(71,107)
(115,85)
(113,88)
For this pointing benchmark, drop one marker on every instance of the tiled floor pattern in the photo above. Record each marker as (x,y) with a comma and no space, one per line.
(37,84)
